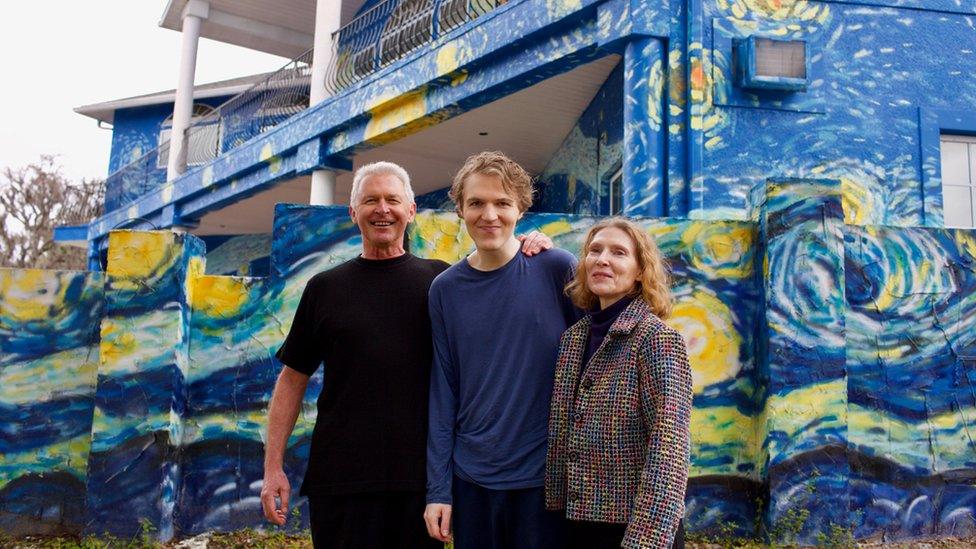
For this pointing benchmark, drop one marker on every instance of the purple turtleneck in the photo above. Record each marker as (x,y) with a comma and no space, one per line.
(600,323)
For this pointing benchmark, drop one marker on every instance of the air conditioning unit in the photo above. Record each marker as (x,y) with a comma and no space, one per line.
(764,63)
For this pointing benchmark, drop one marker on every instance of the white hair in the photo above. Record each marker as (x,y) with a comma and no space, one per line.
(379,168)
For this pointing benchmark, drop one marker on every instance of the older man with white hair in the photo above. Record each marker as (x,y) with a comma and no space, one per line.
(367,320)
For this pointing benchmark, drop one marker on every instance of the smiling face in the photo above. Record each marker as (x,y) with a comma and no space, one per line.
(382,212)
(489,211)
(611,265)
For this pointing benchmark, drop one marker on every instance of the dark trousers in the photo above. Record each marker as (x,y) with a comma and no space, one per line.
(504,519)
(381,520)
(607,535)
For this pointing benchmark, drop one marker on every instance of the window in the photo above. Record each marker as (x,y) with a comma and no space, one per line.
(958,180)
(204,142)
(617,193)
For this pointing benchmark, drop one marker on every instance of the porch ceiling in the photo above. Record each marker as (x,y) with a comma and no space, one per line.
(282,27)
(529,125)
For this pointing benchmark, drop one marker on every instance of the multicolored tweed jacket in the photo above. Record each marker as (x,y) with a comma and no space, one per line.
(618,440)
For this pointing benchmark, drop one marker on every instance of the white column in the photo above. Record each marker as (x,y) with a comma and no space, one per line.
(193,15)
(323,188)
(327,18)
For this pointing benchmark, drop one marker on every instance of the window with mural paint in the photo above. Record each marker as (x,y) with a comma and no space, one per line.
(959,180)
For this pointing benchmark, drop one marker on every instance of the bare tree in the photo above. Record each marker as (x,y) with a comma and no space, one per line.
(33,201)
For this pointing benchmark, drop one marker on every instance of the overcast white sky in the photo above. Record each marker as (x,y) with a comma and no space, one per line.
(59,54)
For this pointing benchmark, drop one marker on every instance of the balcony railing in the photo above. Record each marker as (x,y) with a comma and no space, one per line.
(269,102)
(392,29)
(376,38)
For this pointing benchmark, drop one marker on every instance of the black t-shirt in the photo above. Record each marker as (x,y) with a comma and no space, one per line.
(367,320)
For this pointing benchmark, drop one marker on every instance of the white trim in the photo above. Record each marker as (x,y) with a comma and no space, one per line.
(106,111)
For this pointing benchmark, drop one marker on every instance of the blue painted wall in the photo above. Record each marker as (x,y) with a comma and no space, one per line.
(135,132)
(872,69)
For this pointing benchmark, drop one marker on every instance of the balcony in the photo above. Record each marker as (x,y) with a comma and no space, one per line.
(375,39)
(393,29)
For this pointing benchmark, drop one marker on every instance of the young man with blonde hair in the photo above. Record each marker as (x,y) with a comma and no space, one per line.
(496,319)
(367,320)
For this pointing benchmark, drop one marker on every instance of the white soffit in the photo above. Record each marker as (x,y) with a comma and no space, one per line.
(255,214)
(282,27)
(529,125)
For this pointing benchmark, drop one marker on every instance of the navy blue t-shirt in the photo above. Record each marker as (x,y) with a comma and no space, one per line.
(496,336)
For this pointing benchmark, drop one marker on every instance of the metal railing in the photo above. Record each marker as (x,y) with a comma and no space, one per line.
(269,102)
(376,38)
(392,29)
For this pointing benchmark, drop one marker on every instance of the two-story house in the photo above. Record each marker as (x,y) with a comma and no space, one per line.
(809,167)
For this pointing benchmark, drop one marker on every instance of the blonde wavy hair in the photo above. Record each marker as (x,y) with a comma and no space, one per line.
(515,180)
(654,285)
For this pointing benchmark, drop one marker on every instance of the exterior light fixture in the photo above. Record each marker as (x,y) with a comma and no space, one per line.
(763,63)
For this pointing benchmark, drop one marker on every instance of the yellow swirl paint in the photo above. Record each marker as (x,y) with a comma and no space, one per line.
(266,152)
(703,77)
(447,59)
(196,268)
(441,236)
(857,202)
(776,9)
(720,251)
(397,118)
(220,296)
(116,344)
(801,412)
(713,343)
(556,228)
(725,431)
(207,177)
(966,241)
(30,295)
(70,456)
(138,254)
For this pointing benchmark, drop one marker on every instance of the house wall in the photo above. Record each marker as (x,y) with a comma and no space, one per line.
(874,65)
(49,362)
(135,132)
(832,368)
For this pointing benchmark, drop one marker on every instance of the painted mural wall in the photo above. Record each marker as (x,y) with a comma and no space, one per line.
(829,318)
(49,362)
(875,67)
(836,387)
(135,132)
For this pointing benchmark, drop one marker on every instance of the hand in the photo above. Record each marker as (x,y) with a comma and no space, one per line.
(275,487)
(438,519)
(534,242)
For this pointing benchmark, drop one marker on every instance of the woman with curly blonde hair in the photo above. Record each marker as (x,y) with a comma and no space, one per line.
(619,441)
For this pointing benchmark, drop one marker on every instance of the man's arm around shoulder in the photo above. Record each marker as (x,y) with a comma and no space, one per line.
(286,402)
